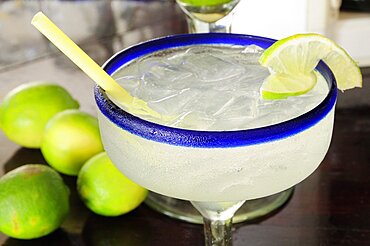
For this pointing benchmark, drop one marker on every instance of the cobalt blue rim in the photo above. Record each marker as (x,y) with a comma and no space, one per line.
(207,139)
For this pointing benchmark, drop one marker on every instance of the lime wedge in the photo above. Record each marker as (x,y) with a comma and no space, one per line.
(292,61)
(281,86)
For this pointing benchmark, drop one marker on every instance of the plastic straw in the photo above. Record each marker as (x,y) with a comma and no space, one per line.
(89,66)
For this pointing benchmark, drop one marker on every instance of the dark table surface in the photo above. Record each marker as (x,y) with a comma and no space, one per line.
(331,207)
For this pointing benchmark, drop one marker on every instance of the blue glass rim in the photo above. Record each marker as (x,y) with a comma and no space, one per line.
(207,139)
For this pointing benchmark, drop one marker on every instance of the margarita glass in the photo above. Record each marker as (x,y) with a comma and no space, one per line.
(234,166)
(205,16)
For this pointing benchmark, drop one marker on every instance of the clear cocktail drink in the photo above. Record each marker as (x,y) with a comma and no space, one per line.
(212,154)
(202,16)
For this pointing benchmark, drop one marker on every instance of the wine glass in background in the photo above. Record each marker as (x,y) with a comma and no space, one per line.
(205,16)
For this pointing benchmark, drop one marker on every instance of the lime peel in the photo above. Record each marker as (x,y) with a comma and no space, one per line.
(105,190)
(295,57)
(26,109)
(287,85)
(34,201)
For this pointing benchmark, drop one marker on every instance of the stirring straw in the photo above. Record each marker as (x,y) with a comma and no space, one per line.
(90,67)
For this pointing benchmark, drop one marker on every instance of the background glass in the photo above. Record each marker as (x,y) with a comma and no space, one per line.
(208,16)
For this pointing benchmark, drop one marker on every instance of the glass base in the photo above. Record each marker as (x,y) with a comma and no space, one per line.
(183,210)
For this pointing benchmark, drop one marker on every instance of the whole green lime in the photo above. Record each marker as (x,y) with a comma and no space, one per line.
(34,201)
(105,190)
(71,138)
(26,109)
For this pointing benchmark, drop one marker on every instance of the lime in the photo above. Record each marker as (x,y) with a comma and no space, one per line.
(71,138)
(33,201)
(105,190)
(26,109)
(205,2)
(292,61)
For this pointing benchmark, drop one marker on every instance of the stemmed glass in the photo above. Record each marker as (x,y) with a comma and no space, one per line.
(205,16)
(208,15)
(266,160)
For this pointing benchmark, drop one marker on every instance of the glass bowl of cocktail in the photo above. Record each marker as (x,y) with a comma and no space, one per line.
(205,16)
(220,143)
(221,149)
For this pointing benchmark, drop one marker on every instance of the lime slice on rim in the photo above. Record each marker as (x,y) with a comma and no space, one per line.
(292,61)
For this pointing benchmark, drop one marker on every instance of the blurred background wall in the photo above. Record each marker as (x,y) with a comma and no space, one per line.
(345,21)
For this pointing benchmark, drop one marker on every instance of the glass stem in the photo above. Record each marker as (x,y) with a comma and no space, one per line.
(217,218)
(217,232)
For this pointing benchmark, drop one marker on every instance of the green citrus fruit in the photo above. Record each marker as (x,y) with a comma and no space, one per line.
(292,61)
(33,201)
(71,138)
(26,109)
(105,190)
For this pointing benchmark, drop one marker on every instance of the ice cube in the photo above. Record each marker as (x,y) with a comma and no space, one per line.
(253,49)
(194,120)
(212,101)
(129,83)
(208,68)
(173,104)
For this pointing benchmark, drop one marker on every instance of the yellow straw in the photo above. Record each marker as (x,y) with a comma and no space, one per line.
(90,67)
